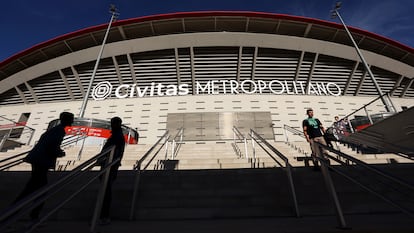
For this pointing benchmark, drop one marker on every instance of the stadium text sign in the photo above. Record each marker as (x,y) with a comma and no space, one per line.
(215,87)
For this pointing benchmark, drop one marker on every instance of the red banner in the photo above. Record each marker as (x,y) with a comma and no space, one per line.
(95,132)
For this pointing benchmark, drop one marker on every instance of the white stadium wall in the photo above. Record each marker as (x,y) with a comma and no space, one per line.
(149,115)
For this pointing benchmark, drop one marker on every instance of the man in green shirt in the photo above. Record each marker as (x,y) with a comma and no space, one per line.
(314,131)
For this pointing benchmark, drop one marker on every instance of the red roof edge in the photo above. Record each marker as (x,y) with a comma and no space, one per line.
(204,14)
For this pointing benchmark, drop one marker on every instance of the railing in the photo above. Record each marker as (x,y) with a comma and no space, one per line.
(264,144)
(293,131)
(239,137)
(16,160)
(17,132)
(175,146)
(12,161)
(139,169)
(388,181)
(363,117)
(72,139)
(16,211)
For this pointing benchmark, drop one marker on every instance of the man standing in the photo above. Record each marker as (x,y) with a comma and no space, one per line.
(116,139)
(43,157)
(313,131)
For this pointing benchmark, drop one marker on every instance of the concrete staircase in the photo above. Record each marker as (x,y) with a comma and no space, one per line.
(219,196)
(210,185)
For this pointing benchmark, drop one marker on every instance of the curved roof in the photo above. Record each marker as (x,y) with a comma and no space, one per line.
(190,22)
(186,48)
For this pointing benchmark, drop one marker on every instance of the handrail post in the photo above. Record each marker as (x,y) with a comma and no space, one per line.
(166,150)
(369,117)
(245,148)
(30,137)
(135,192)
(172,149)
(5,138)
(138,167)
(292,188)
(286,136)
(102,191)
(331,188)
(254,149)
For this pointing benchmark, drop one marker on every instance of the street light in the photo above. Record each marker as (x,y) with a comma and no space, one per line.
(115,14)
(386,101)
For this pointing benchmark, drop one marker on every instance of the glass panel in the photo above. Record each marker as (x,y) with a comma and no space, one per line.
(219,125)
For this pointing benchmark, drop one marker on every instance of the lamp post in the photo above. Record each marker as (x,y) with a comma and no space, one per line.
(386,101)
(115,14)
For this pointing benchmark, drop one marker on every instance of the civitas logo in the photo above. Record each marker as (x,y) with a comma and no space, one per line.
(102,90)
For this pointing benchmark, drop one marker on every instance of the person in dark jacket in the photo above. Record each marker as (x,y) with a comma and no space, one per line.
(43,157)
(116,139)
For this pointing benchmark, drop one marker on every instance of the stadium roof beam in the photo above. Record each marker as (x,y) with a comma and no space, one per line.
(32,92)
(302,54)
(351,76)
(117,70)
(183,24)
(177,65)
(122,32)
(78,81)
(246,28)
(254,64)
(397,84)
(361,82)
(193,82)
(152,28)
(315,60)
(239,63)
(68,46)
(23,63)
(308,28)
(404,92)
(21,94)
(131,68)
(65,81)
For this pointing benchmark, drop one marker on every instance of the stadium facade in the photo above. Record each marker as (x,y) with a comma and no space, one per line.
(206,71)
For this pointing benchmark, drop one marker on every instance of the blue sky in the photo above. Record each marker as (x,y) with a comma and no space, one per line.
(25,23)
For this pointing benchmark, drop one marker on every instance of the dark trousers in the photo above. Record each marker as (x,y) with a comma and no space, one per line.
(37,180)
(106,205)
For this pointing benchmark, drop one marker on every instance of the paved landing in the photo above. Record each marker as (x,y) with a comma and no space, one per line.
(379,223)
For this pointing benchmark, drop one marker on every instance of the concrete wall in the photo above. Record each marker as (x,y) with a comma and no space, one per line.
(149,115)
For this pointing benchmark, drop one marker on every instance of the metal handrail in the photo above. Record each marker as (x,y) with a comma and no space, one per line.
(174,147)
(17,210)
(73,139)
(294,131)
(18,159)
(13,126)
(15,160)
(137,168)
(368,167)
(382,174)
(242,138)
(365,105)
(260,140)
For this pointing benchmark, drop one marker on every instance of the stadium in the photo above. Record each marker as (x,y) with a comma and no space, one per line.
(164,53)
(210,73)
